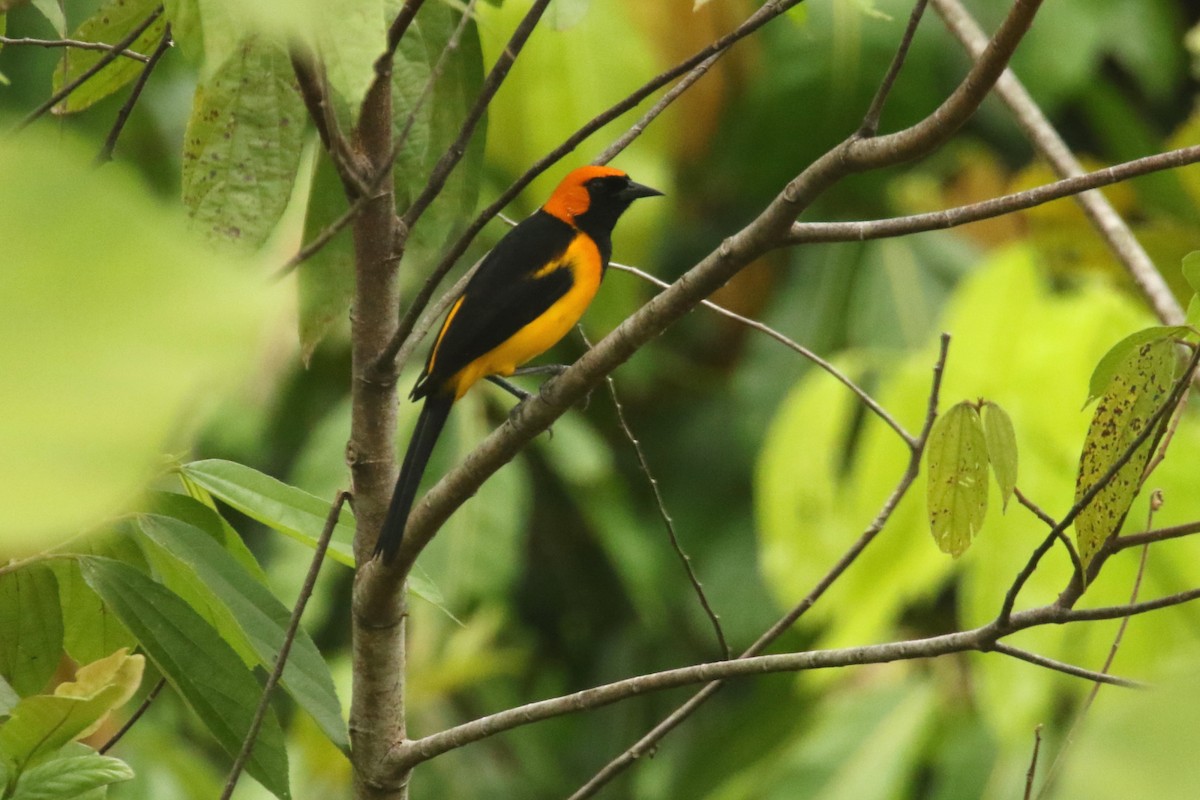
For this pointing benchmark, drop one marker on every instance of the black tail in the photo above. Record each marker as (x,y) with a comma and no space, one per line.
(429,427)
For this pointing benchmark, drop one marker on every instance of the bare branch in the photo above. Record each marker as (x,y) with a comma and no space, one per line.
(815,232)
(1066,669)
(1095,206)
(133,718)
(491,84)
(1032,771)
(110,142)
(77,44)
(1160,535)
(870,123)
(672,535)
(314,90)
(871,403)
(289,636)
(407,754)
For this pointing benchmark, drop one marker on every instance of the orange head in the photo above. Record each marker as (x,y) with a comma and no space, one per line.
(594,196)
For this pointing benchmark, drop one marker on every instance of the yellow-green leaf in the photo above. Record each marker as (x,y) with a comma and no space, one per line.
(957,490)
(111,23)
(1138,387)
(1115,358)
(1001,448)
(31,628)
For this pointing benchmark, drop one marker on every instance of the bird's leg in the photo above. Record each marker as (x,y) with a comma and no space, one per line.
(515,391)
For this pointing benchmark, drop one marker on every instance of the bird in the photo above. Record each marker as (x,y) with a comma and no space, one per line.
(527,294)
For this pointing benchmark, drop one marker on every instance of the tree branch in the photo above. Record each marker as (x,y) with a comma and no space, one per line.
(983,639)
(1095,206)
(77,44)
(817,232)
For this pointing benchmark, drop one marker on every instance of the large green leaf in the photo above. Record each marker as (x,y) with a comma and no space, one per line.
(291,511)
(156,328)
(197,662)
(31,642)
(1138,387)
(350,38)
(957,456)
(113,21)
(242,146)
(70,777)
(325,281)
(195,513)
(260,616)
(90,630)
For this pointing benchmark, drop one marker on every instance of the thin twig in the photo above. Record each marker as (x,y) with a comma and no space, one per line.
(651,739)
(1032,771)
(1058,532)
(134,717)
(491,84)
(110,142)
(870,123)
(112,55)
(684,558)
(314,91)
(1160,535)
(77,44)
(866,399)
(1045,138)
(264,702)
(863,230)
(1155,504)
(669,97)
(1066,669)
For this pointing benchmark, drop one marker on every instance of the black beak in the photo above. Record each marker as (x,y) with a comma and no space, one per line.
(635,190)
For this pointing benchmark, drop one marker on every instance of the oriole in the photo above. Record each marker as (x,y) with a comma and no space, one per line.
(527,294)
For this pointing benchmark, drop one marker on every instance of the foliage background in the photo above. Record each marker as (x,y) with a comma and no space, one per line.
(559,569)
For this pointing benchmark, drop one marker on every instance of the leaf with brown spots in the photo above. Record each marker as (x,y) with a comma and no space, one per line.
(114,21)
(957,489)
(242,146)
(1138,387)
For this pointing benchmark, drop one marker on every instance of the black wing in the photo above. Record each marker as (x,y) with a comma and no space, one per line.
(502,296)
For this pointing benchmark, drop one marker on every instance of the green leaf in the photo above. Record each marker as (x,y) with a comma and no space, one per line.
(193,512)
(351,37)
(90,630)
(1191,269)
(1001,448)
(1115,359)
(1139,386)
(242,145)
(260,616)
(8,698)
(111,23)
(325,282)
(31,621)
(1193,312)
(70,777)
(41,724)
(291,511)
(158,329)
(53,12)
(957,489)
(197,662)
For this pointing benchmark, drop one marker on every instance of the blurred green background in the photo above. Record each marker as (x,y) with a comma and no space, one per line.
(560,568)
